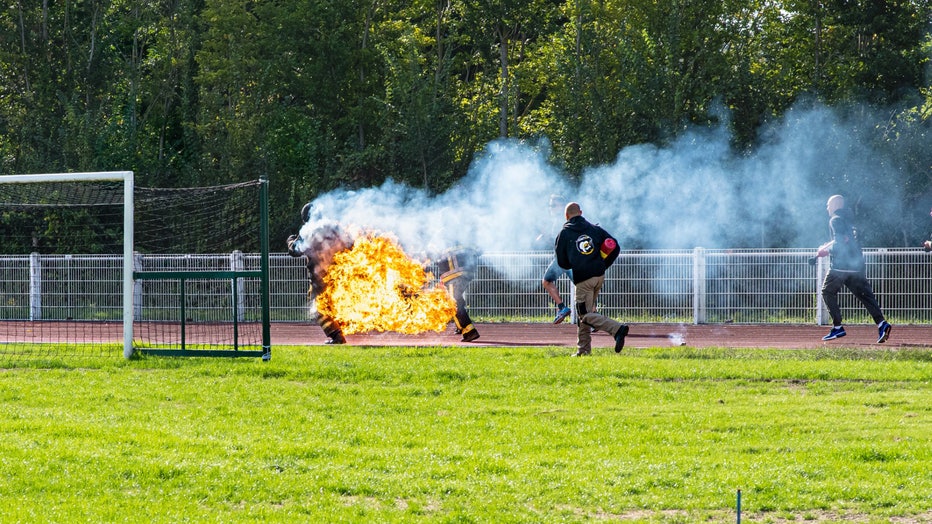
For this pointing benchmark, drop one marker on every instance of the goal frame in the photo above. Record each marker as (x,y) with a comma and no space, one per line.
(262,274)
(129,275)
(126,177)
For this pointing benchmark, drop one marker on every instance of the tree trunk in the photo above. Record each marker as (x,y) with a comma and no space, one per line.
(505,89)
(360,128)
(22,36)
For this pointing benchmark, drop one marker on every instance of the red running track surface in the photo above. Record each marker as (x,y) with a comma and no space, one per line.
(778,336)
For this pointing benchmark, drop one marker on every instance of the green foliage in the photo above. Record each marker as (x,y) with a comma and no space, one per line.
(490,434)
(319,94)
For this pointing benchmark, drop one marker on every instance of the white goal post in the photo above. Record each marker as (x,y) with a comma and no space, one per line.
(126,177)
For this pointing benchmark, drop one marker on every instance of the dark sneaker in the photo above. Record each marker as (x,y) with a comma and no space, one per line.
(561,315)
(470,335)
(336,339)
(620,338)
(884,330)
(583,353)
(836,332)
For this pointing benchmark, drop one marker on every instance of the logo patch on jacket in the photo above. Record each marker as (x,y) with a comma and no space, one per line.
(585,245)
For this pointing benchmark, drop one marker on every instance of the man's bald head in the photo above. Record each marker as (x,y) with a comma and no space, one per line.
(835,202)
(572,210)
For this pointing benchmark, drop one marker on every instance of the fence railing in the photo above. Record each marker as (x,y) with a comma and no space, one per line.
(682,286)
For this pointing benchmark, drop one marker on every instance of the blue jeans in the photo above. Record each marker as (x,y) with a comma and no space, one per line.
(554,271)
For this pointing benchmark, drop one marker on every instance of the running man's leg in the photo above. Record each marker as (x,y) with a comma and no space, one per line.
(830,288)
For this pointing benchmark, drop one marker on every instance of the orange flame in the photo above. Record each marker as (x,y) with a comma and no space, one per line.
(375,286)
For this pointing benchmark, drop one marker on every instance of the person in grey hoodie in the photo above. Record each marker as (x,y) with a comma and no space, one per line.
(847,269)
(588,250)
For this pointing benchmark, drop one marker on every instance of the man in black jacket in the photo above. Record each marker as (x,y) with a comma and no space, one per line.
(588,250)
(847,269)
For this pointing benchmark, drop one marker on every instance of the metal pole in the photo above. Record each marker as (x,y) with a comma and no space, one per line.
(739,506)
(699,282)
(264,267)
(820,302)
(128,245)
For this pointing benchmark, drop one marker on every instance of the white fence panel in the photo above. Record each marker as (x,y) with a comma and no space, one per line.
(693,286)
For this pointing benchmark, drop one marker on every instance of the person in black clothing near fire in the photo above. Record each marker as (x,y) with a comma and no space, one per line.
(458,269)
(324,240)
(847,269)
(588,250)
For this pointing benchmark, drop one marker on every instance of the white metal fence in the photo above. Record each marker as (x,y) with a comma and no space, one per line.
(693,286)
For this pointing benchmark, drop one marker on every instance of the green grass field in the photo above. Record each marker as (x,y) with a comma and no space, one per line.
(491,435)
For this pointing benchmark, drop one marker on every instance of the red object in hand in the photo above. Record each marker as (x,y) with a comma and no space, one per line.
(608,246)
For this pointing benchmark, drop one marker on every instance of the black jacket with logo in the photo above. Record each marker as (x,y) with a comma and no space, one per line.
(578,248)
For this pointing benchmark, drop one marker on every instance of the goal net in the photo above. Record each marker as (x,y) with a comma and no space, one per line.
(93,266)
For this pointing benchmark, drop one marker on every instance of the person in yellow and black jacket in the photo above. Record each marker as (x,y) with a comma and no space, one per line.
(324,240)
(457,268)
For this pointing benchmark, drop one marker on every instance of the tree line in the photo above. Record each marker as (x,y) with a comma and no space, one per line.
(319,94)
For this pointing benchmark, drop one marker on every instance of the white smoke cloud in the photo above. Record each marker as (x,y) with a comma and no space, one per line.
(694,192)
(501,205)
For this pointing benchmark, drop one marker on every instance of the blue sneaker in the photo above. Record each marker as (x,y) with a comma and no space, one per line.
(836,332)
(562,314)
(884,331)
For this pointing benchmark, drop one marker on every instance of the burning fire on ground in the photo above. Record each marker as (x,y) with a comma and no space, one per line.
(375,286)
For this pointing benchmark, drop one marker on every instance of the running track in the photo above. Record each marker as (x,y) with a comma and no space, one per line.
(779,336)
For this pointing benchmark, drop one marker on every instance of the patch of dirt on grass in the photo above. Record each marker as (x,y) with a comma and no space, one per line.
(822,516)
(802,517)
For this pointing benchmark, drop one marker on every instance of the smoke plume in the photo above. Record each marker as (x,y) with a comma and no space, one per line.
(694,192)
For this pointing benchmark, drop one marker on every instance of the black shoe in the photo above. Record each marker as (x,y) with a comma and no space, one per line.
(471,335)
(620,338)
(336,339)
